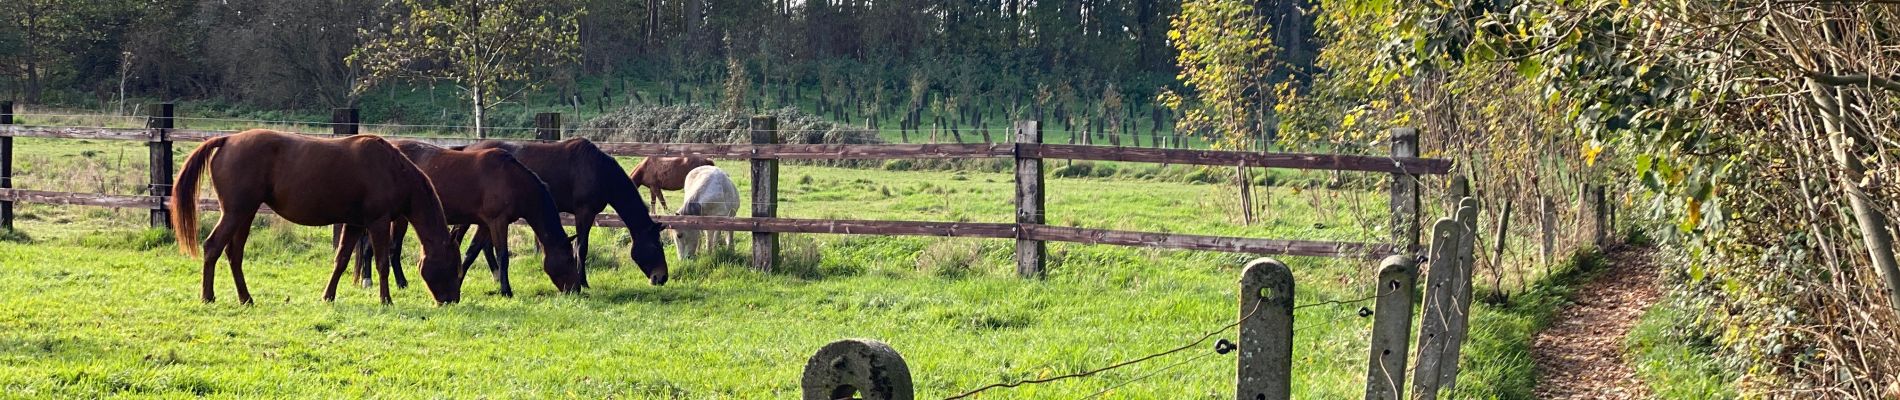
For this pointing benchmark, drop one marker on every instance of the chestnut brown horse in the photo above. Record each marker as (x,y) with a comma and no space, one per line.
(359,181)
(490,189)
(665,173)
(584,182)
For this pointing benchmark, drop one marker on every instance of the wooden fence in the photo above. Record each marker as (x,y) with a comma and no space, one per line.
(1028,151)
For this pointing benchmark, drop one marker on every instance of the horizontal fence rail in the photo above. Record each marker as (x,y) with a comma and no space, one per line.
(988,230)
(1312,161)
(1025,147)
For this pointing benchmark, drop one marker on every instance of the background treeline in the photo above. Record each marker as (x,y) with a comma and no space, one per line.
(854,60)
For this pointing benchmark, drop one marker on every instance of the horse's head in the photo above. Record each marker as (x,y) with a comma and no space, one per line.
(442,272)
(649,255)
(562,267)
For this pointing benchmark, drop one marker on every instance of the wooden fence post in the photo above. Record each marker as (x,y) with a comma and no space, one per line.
(764,193)
(1391,328)
(1405,222)
(1549,228)
(6,165)
(547,126)
(1600,229)
(345,122)
(1450,296)
(1030,254)
(160,148)
(856,369)
(1266,332)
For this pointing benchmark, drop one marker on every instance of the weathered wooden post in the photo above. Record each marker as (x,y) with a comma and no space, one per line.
(6,165)
(547,126)
(856,369)
(1405,223)
(1030,254)
(1602,231)
(1391,328)
(1266,332)
(1549,227)
(160,148)
(764,192)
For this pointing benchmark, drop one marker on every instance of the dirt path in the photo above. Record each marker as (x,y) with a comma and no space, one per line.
(1580,356)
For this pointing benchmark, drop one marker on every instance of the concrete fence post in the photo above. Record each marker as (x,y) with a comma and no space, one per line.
(1266,332)
(160,150)
(856,369)
(764,193)
(1440,303)
(1391,328)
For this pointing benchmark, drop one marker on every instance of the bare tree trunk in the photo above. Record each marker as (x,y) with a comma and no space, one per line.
(1873,224)
(480,111)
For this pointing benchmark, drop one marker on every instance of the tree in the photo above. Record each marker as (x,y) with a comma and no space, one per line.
(1225,57)
(480,45)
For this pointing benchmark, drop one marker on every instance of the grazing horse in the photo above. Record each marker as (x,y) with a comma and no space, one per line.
(584,182)
(358,181)
(709,192)
(665,173)
(490,189)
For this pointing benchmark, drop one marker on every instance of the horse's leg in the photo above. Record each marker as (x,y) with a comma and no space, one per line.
(582,223)
(379,240)
(234,249)
(363,262)
(397,229)
(500,257)
(346,234)
(214,246)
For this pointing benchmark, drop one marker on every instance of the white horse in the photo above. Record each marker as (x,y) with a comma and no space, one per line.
(709,192)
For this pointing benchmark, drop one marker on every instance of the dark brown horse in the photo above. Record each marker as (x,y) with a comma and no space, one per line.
(584,182)
(665,173)
(490,189)
(359,182)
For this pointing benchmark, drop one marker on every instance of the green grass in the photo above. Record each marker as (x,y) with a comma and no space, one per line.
(1675,360)
(101,306)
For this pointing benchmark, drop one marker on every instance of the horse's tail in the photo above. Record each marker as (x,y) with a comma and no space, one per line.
(184,204)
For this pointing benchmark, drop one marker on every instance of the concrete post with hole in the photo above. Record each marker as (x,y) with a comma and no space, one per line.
(1266,332)
(1391,328)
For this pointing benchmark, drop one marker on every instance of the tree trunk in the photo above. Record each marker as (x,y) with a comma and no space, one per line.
(480,111)
(1873,224)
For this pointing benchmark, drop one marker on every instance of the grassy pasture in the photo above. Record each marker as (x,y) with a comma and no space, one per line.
(97,305)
